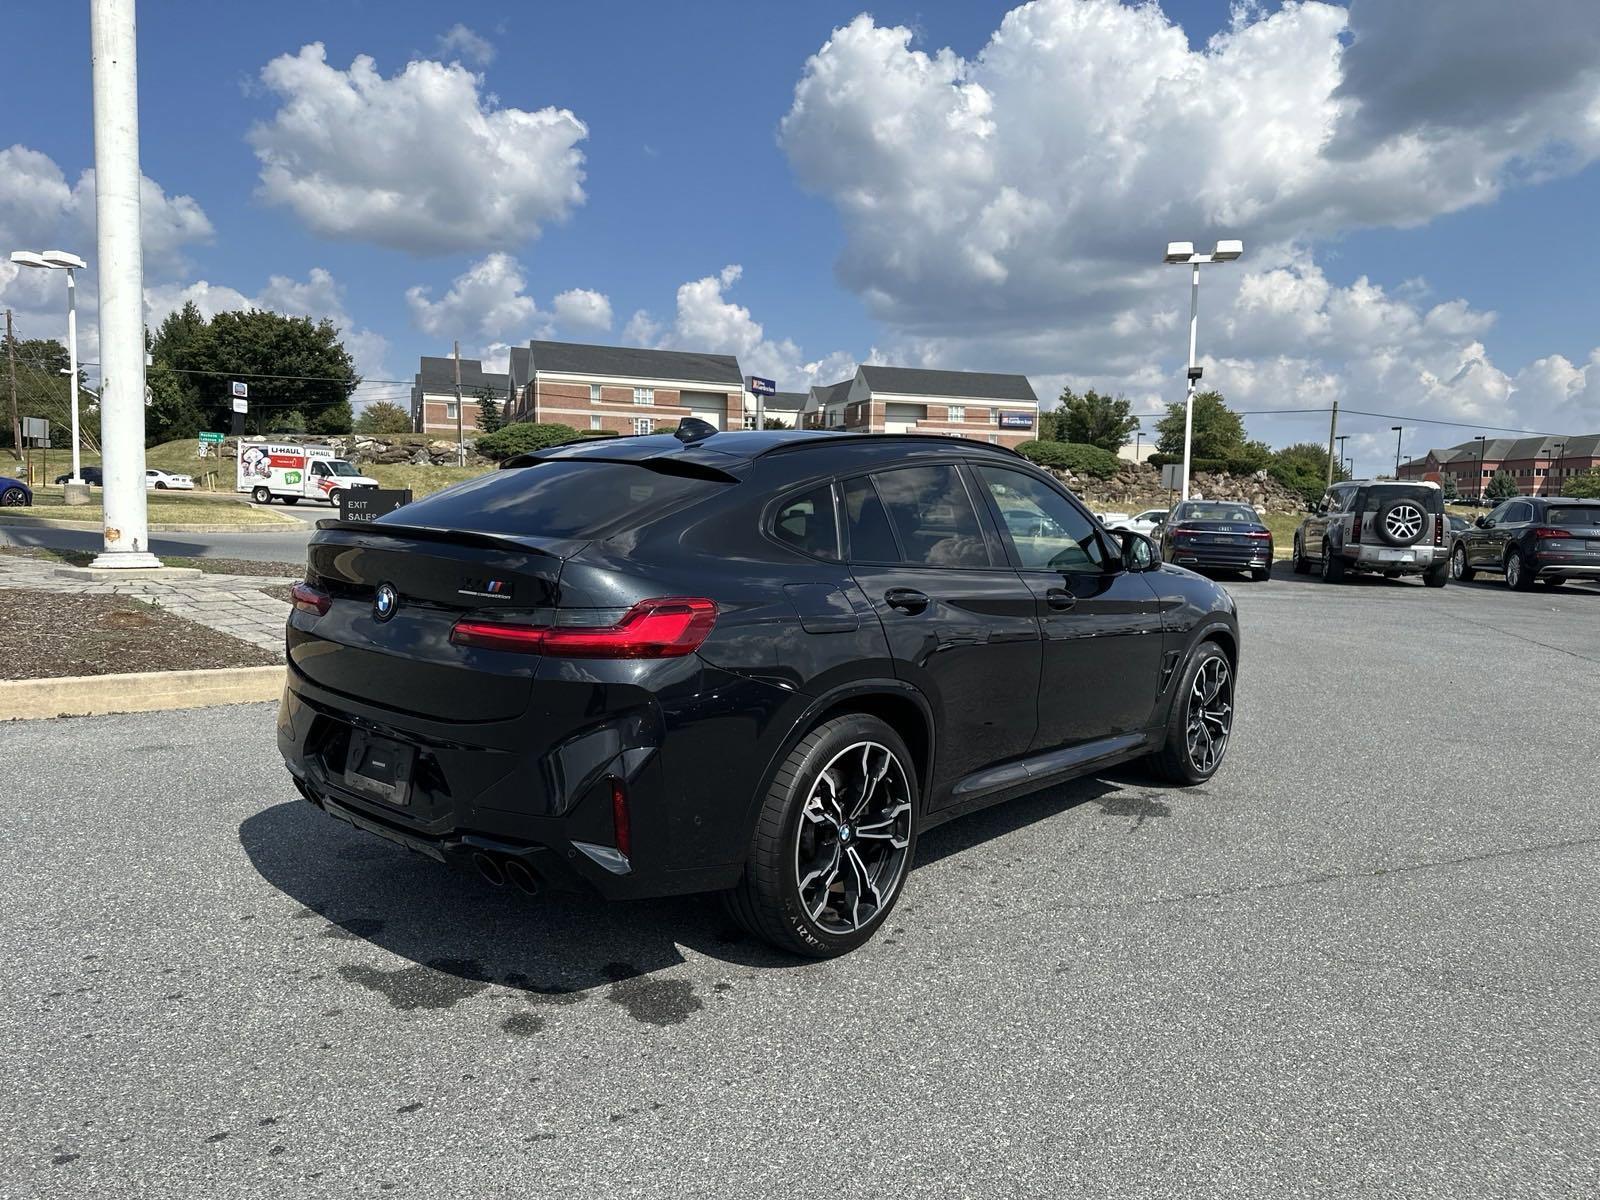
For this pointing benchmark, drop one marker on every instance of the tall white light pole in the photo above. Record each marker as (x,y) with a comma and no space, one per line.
(116,207)
(1180,254)
(60,260)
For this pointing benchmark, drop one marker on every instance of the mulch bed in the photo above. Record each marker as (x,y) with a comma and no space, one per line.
(281,591)
(241,566)
(53,634)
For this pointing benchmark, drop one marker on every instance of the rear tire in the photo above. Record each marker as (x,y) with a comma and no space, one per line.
(1459,570)
(1261,574)
(1200,724)
(816,881)
(1518,577)
(1332,565)
(291,499)
(261,495)
(1436,577)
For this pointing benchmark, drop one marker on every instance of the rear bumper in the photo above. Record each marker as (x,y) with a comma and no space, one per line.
(1224,558)
(1382,558)
(481,789)
(1547,565)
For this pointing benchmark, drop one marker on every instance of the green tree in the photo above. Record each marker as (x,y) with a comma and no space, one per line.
(1050,422)
(383,416)
(1081,459)
(1218,430)
(298,369)
(1501,487)
(175,409)
(1091,419)
(1447,485)
(1583,487)
(489,418)
(43,390)
(522,437)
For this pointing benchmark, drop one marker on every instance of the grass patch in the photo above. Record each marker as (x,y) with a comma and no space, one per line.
(162,510)
(423,481)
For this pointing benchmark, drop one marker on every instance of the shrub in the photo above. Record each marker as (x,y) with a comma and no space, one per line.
(1583,487)
(523,437)
(1076,457)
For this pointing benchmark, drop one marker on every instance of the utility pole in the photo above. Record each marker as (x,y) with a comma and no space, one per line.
(461,445)
(113,51)
(1333,432)
(16,421)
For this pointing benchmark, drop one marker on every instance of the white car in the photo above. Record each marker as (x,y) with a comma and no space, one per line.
(1111,519)
(166,480)
(1145,522)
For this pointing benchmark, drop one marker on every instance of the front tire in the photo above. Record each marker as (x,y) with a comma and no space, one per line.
(833,842)
(333,496)
(13,497)
(1201,722)
(160,487)
(1459,570)
(1302,564)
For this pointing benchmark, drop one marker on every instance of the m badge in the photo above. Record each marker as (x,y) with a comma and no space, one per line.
(493,589)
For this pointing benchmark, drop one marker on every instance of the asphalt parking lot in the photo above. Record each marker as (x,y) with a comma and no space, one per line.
(1363,961)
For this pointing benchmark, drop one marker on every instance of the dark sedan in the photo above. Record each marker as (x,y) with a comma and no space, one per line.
(1218,535)
(14,493)
(93,476)
(1532,538)
(756,662)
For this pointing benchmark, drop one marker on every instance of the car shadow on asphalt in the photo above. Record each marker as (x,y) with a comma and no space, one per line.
(452,924)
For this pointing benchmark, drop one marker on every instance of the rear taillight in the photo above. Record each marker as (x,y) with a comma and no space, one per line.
(670,627)
(619,818)
(1543,532)
(1438,530)
(1355,528)
(1262,534)
(310,600)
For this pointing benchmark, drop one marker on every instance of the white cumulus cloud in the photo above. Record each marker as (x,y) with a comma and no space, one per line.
(583,309)
(420,161)
(460,42)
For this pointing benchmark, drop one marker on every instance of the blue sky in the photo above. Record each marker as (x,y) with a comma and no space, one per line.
(685,172)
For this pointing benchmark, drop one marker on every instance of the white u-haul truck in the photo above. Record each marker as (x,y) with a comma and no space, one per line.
(294,473)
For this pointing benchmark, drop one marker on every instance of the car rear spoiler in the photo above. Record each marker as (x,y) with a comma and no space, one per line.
(687,468)
(553,547)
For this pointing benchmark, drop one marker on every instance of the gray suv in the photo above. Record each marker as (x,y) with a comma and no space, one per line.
(1387,528)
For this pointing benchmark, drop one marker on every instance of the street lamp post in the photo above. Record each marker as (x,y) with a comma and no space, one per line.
(1181,254)
(1342,439)
(1482,490)
(60,260)
(1559,448)
(1399,433)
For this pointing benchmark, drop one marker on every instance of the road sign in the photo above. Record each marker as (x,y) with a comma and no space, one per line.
(211,437)
(368,504)
(240,406)
(1172,476)
(762,387)
(36,429)
(239,390)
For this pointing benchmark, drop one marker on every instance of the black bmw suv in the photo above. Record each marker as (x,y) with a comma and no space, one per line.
(757,662)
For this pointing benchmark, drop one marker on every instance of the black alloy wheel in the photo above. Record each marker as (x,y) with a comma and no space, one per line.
(13,497)
(834,840)
(1201,723)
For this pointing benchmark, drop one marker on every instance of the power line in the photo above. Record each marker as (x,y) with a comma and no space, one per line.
(1415,420)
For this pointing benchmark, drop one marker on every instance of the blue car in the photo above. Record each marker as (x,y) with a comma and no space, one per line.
(14,493)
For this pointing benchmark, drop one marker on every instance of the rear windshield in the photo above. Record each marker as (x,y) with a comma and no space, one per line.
(1573,514)
(561,499)
(1239,514)
(1431,498)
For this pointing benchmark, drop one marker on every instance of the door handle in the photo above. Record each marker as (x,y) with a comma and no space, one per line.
(906,599)
(1060,599)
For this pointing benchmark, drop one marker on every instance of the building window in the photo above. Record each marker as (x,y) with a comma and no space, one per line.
(594,393)
(956,412)
(644,395)
(450,410)
(994,439)
(642,425)
(594,423)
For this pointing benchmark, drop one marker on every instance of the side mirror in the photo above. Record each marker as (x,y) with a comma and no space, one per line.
(1483,522)
(1139,553)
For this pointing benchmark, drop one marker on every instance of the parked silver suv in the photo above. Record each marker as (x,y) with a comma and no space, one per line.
(1385,527)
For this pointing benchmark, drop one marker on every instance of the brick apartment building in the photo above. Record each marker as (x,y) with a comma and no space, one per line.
(1540,465)
(624,389)
(433,395)
(987,407)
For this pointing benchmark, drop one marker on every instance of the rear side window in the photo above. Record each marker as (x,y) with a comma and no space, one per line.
(933,516)
(561,499)
(807,523)
(1567,515)
(871,539)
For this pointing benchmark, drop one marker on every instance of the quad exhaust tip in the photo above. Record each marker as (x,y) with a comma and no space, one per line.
(491,870)
(518,874)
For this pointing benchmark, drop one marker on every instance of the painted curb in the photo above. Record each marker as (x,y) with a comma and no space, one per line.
(284,526)
(138,691)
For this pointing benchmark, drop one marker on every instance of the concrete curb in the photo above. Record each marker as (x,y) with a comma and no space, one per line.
(284,526)
(137,691)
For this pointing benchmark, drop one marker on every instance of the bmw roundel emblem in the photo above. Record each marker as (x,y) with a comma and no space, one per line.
(384,601)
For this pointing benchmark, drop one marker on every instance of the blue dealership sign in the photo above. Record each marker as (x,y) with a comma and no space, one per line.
(1016,420)
(762,387)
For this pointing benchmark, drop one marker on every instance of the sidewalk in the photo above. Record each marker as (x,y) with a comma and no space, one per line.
(230,604)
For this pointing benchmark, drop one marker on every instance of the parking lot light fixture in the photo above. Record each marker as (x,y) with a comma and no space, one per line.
(1181,254)
(1399,433)
(1482,490)
(62,260)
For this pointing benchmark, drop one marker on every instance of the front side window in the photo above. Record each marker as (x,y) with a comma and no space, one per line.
(1047,532)
(318,468)
(933,517)
(644,395)
(807,523)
